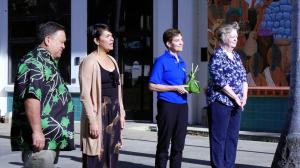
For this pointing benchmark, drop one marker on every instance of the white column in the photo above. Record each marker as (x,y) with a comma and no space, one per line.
(78,38)
(203,38)
(187,24)
(192,22)
(3,55)
(162,20)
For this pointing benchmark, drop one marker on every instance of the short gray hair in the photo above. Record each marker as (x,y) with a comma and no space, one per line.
(224,30)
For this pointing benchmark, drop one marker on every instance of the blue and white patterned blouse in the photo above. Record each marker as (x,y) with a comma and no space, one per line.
(223,71)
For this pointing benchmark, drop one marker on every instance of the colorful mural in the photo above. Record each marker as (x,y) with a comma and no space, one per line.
(264,42)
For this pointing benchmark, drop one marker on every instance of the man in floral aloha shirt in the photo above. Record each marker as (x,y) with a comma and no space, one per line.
(43,112)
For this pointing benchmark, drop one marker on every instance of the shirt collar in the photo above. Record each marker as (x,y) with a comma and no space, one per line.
(169,54)
(223,53)
(47,55)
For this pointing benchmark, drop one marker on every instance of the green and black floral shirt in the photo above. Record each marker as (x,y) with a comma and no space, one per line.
(38,77)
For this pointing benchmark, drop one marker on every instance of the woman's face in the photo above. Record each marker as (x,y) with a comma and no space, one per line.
(176,45)
(106,41)
(231,39)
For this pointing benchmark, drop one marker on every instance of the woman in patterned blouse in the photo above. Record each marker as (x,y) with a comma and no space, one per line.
(226,97)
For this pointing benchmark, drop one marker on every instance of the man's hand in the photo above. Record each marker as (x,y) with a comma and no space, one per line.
(38,141)
(32,109)
(94,131)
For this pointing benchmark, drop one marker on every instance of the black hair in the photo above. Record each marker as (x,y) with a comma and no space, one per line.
(95,31)
(48,29)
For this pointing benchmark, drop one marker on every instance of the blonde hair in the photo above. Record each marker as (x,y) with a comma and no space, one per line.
(222,31)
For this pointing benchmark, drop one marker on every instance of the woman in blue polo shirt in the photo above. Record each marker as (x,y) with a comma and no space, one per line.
(226,97)
(168,79)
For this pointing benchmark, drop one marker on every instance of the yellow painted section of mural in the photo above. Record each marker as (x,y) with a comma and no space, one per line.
(264,42)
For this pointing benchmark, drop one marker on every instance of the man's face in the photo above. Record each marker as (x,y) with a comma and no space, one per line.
(56,43)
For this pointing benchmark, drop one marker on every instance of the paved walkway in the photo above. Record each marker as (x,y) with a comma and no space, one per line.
(139,150)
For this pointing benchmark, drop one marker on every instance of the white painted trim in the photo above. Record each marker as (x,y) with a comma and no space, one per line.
(72,89)
(162,20)
(9,88)
(203,71)
(187,26)
(78,35)
(192,22)
(3,55)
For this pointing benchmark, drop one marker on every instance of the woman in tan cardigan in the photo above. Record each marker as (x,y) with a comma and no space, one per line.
(103,115)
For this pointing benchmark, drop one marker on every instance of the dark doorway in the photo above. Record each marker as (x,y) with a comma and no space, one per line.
(131,22)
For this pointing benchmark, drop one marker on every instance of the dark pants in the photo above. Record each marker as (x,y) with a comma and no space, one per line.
(224,126)
(172,122)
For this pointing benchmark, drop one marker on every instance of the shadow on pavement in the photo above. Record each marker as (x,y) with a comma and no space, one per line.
(186,160)
(16,163)
(248,166)
(142,140)
(199,146)
(123,164)
(195,161)
(137,154)
(4,137)
(74,158)
(252,151)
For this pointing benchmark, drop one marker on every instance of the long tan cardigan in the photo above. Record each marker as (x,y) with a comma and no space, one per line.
(90,97)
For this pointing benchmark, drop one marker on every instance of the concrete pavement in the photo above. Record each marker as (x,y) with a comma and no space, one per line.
(139,150)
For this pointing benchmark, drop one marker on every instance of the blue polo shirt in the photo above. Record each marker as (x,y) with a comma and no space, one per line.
(167,71)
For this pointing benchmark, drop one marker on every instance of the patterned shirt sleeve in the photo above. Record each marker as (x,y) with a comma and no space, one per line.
(30,77)
(216,72)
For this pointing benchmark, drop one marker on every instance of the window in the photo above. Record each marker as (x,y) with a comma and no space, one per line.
(24,17)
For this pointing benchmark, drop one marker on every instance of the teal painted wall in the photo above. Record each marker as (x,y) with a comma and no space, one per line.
(264,114)
(9,102)
(77,106)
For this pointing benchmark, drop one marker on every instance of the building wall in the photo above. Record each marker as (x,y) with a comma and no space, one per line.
(190,14)
(162,20)
(79,38)
(78,50)
(3,56)
(202,44)
(260,113)
(187,24)
(266,114)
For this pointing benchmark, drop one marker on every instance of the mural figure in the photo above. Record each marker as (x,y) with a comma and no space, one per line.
(264,37)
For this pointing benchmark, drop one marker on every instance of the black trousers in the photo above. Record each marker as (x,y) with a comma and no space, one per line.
(172,120)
